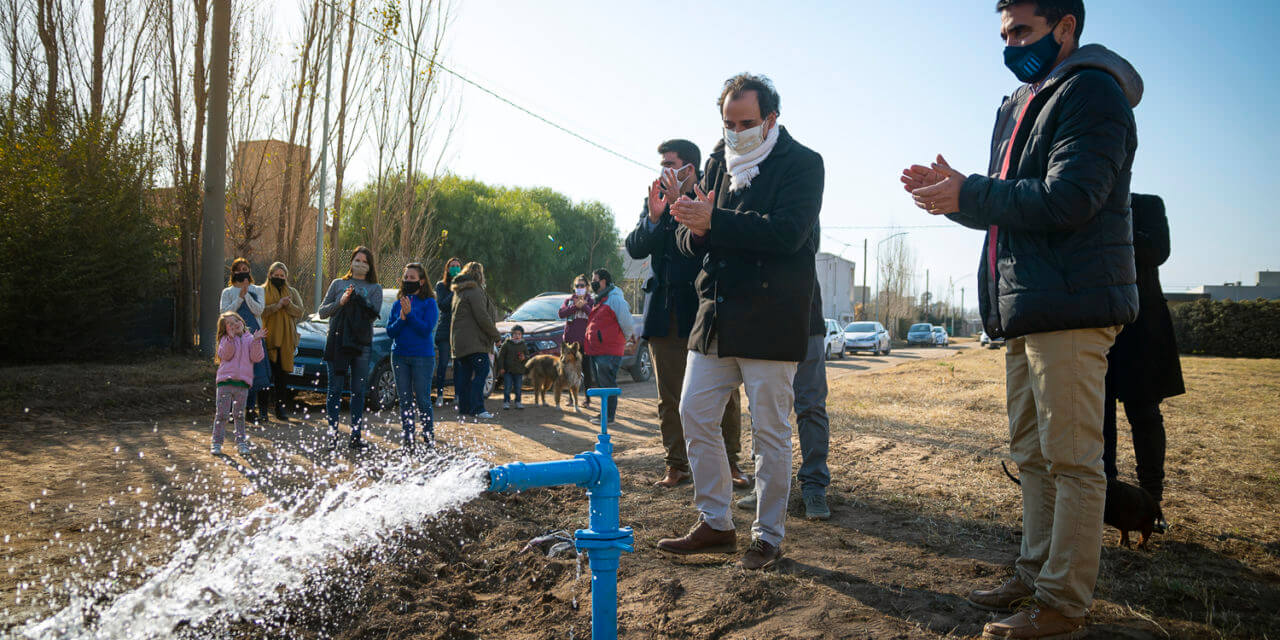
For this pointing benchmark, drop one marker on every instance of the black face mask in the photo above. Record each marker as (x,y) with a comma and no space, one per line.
(278,282)
(410,288)
(595,286)
(240,277)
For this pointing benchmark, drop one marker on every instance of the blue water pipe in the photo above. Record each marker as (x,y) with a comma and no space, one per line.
(604,541)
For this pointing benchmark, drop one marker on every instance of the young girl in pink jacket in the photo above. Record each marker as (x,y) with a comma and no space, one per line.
(237,351)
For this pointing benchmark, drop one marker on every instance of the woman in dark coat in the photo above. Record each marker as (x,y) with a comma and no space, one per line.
(1143,365)
(444,301)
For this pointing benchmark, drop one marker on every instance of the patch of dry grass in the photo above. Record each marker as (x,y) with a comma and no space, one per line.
(160,386)
(929,437)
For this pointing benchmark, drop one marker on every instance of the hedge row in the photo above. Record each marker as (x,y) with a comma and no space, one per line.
(1248,329)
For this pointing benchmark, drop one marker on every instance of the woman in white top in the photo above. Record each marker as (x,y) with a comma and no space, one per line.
(247,299)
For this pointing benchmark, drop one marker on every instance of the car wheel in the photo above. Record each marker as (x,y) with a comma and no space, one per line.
(841,354)
(888,349)
(642,370)
(382,392)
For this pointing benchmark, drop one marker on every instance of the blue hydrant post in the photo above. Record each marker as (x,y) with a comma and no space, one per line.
(604,541)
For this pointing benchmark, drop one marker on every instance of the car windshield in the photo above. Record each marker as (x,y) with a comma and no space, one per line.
(388,299)
(860,327)
(537,309)
(938,329)
(922,327)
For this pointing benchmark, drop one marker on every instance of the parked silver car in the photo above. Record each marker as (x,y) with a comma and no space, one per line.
(866,336)
(833,345)
(940,337)
(988,341)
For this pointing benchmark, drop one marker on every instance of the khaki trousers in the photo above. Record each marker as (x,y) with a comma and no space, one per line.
(670,355)
(708,382)
(1056,387)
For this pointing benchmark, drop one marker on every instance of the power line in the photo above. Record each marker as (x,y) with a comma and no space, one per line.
(493,93)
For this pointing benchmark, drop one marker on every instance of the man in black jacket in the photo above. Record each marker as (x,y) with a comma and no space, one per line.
(1056,280)
(670,306)
(750,225)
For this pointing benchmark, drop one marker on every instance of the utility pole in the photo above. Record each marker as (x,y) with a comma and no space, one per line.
(213,226)
(324,156)
(962,320)
(864,278)
(927,299)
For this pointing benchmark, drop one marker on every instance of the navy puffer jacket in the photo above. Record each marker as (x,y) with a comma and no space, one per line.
(1064,251)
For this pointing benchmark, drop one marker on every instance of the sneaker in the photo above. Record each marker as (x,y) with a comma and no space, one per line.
(243,448)
(701,539)
(1004,598)
(484,415)
(1037,621)
(747,502)
(815,507)
(520,405)
(356,443)
(216,449)
(506,405)
(759,556)
(335,439)
(439,401)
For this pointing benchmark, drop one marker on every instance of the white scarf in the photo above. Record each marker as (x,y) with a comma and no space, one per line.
(742,168)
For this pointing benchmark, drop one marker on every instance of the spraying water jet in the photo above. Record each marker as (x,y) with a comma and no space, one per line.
(604,541)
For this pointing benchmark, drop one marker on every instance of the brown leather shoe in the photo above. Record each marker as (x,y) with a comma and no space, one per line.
(760,555)
(673,478)
(1004,598)
(740,479)
(701,539)
(1038,622)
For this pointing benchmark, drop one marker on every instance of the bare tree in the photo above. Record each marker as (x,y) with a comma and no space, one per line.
(357,59)
(47,22)
(897,269)
(99,43)
(302,88)
(425,25)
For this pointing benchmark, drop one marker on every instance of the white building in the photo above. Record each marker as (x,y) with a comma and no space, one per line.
(836,278)
(1268,287)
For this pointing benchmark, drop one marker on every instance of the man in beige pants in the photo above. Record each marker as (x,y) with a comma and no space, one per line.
(1057,279)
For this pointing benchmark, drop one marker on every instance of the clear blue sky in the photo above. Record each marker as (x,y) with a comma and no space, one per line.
(873,87)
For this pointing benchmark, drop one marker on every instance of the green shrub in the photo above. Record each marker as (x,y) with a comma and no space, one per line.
(1248,329)
(79,253)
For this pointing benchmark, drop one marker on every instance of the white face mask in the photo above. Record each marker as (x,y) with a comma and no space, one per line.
(744,142)
(680,180)
(582,291)
(359,268)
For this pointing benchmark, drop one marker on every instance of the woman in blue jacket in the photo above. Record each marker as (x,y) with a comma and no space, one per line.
(412,331)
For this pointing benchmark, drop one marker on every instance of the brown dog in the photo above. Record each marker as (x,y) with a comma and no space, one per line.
(563,373)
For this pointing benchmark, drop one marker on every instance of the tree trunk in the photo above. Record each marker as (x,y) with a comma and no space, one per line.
(47,29)
(99,40)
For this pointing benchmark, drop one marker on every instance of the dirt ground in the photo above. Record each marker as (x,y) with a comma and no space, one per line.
(921,510)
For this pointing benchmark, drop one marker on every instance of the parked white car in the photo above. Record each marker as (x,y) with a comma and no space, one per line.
(988,341)
(940,337)
(834,343)
(866,336)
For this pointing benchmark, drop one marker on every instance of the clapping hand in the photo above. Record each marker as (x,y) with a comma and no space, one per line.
(935,188)
(657,201)
(259,334)
(695,214)
(406,305)
(346,295)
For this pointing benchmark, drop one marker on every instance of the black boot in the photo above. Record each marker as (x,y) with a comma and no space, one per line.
(264,407)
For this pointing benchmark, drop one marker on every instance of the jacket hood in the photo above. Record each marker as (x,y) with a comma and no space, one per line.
(1096,56)
(463,282)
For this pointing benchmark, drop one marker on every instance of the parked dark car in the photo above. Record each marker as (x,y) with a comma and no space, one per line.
(921,334)
(309,372)
(544,330)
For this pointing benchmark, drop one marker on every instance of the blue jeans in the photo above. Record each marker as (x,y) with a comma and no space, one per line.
(511,386)
(413,386)
(606,376)
(442,365)
(810,386)
(357,367)
(468,379)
